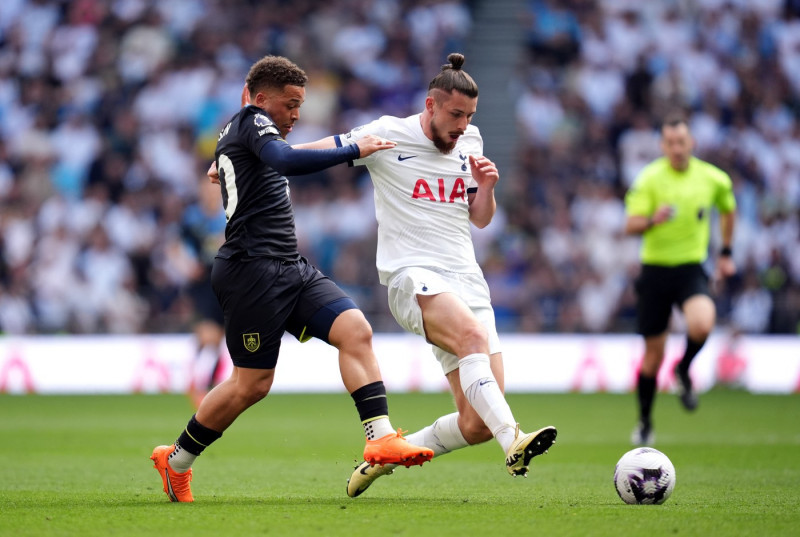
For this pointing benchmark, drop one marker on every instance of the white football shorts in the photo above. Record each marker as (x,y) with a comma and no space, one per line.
(405,284)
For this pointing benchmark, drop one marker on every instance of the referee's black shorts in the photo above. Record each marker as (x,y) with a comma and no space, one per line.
(659,288)
(263,297)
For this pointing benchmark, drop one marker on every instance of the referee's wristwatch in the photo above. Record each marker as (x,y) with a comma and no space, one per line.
(725,251)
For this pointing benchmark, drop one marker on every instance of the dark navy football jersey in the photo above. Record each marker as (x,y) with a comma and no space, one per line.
(255,197)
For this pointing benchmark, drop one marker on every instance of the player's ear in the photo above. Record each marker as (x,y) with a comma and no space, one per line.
(260,100)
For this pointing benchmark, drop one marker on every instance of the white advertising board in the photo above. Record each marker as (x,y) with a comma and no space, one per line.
(533,363)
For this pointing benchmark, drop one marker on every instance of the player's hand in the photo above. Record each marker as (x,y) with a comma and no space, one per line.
(726,267)
(484,171)
(371,143)
(663,213)
(213,173)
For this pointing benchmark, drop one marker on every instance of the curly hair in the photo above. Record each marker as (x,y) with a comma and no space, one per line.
(452,77)
(274,72)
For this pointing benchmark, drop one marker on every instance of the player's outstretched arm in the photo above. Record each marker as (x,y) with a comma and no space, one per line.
(288,160)
(366,145)
(370,143)
(325,143)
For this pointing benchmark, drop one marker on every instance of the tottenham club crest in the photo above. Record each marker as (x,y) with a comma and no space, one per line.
(251,341)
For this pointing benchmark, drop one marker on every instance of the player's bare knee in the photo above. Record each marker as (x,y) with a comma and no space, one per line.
(258,392)
(358,340)
(361,333)
(472,338)
(253,390)
(700,330)
(256,396)
(351,331)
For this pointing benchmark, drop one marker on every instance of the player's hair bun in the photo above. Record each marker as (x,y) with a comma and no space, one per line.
(456,61)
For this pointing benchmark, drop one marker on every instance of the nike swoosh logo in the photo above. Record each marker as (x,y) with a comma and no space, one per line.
(483,382)
(401,158)
(170,492)
(363,470)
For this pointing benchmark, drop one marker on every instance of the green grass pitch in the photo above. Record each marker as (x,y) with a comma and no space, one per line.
(79,466)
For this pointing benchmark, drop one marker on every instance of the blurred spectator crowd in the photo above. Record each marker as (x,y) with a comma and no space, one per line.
(110,110)
(597,79)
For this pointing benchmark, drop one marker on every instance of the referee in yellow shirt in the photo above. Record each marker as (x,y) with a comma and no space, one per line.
(669,204)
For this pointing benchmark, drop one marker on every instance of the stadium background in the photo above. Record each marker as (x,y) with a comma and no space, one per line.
(109,113)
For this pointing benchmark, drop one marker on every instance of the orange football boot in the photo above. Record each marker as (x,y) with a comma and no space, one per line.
(394,449)
(176,485)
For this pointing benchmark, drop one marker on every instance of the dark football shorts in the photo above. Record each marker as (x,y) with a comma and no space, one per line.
(659,288)
(262,298)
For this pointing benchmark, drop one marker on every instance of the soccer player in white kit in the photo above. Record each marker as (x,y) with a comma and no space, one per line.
(427,191)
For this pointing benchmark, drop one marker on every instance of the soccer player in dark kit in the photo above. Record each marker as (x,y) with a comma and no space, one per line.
(266,288)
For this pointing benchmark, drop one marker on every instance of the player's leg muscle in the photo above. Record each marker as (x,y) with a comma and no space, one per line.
(352,335)
(451,325)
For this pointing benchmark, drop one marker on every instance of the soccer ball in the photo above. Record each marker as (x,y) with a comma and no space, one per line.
(644,476)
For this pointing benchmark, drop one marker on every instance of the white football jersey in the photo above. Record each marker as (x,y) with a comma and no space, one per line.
(420,196)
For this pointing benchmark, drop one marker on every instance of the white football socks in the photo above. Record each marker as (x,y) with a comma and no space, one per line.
(483,393)
(378,428)
(180,460)
(442,437)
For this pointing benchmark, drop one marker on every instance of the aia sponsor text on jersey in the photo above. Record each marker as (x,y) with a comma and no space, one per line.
(423,190)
